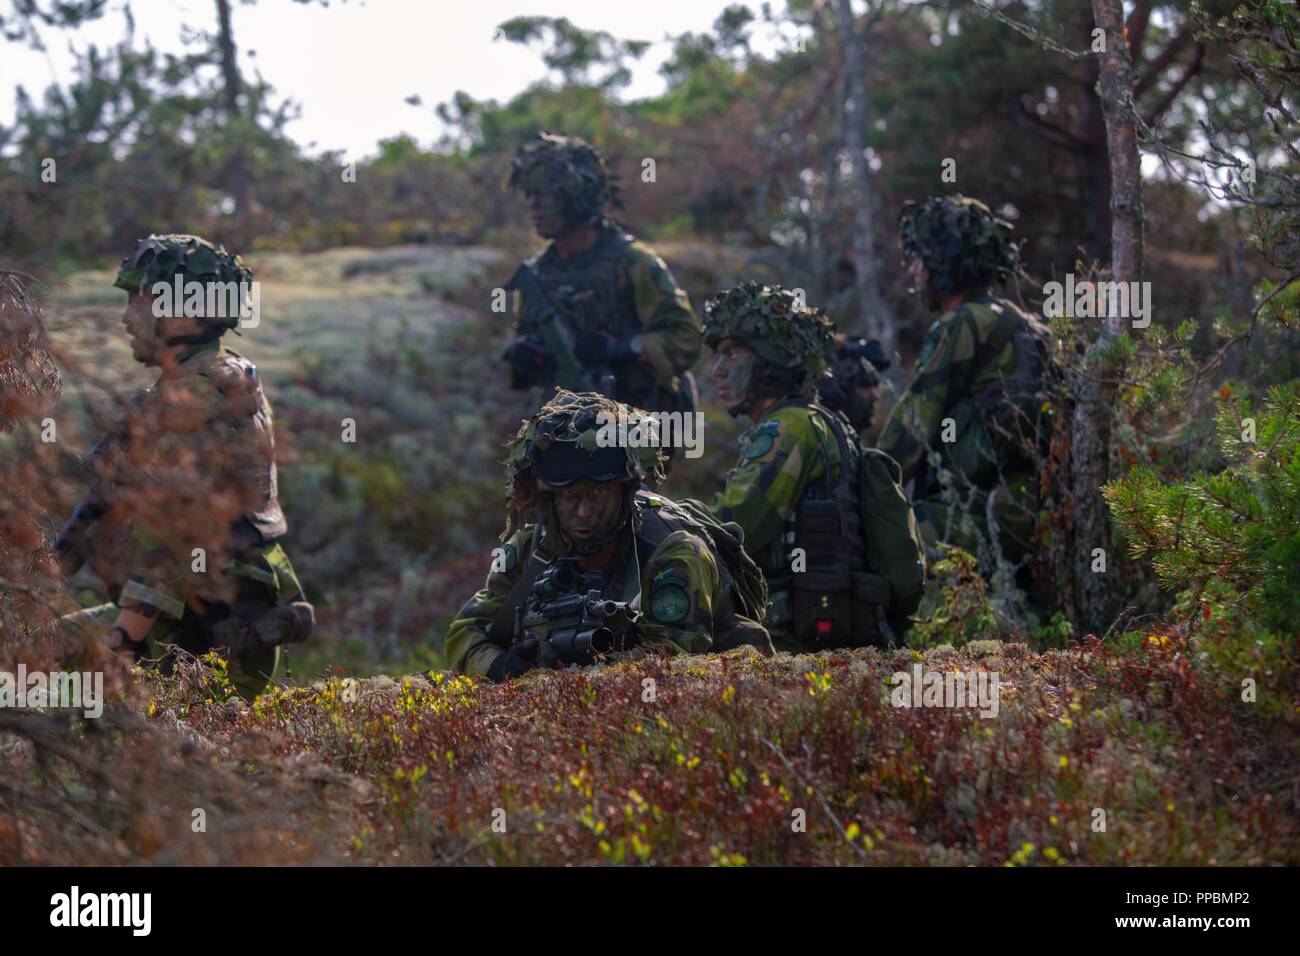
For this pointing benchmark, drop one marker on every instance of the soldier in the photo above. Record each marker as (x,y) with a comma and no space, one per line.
(576,501)
(977,397)
(798,485)
(854,386)
(624,327)
(182,522)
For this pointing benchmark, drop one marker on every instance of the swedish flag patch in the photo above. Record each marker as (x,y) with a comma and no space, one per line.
(666,576)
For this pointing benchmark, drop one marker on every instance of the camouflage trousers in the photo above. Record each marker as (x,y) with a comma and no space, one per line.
(250,672)
(1015,514)
(1014,508)
(265,578)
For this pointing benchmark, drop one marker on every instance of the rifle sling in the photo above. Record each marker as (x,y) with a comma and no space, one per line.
(504,620)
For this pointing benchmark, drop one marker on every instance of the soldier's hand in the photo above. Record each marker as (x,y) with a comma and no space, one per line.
(122,643)
(516,660)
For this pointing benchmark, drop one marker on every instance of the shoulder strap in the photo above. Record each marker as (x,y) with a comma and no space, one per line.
(660,521)
(503,622)
(847,458)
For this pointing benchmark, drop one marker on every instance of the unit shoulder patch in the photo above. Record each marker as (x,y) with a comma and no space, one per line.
(758,441)
(670,604)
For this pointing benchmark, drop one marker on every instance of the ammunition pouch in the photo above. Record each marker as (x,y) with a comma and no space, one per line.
(271,627)
(779,613)
(822,603)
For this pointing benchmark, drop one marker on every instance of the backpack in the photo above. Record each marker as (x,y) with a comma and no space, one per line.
(1000,427)
(893,541)
(748,585)
(894,580)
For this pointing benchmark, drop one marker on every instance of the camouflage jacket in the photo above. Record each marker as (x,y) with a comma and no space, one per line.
(949,371)
(683,592)
(780,456)
(191,488)
(622,287)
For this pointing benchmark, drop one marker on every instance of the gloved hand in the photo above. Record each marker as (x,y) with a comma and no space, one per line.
(516,660)
(601,347)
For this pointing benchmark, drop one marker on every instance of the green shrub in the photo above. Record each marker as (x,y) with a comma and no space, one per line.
(1228,542)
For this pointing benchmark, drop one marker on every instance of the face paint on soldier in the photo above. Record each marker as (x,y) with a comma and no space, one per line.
(920,282)
(589,510)
(734,372)
(547,210)
(862,403)
(142,328)
(148,332)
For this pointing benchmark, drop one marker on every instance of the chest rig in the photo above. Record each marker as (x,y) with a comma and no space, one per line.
(592,288)
(595,291)
(816,564)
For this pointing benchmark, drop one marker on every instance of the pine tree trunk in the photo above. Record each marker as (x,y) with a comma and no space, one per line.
(1095,595)
(239,177)
(875,319)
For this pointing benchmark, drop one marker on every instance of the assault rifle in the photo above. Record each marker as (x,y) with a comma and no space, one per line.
(570,619)
(72,546)
(558,336)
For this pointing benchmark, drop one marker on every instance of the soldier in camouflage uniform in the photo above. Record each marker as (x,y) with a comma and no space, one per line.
(182,523)
(629,316)
(854,386)
(796,481)
(977,396)
(566,495)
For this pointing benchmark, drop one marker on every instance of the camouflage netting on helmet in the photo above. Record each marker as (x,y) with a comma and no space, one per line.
(962,244)
(775,323)
(161,257)
(576,418)
(29,378)
(570,167)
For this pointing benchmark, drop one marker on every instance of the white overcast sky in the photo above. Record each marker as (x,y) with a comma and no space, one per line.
(351,65)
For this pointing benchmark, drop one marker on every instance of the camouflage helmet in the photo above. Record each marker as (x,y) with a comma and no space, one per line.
(161,257)
(782,330)
(572,168)
(565,442)
(962,244)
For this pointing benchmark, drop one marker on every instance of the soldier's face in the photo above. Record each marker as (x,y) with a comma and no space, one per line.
(589,510)
(547,210)
(916,274)
(142,327)
(921,285)
(733,371)
(862,403)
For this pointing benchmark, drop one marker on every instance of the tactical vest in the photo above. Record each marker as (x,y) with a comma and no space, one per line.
(999,427)
(594,288)
(835,600)
(248,414)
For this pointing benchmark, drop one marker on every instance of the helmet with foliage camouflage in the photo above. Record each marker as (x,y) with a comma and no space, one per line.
(782,330)
(161,257)
(962,244)
(568,440)
(570,167)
